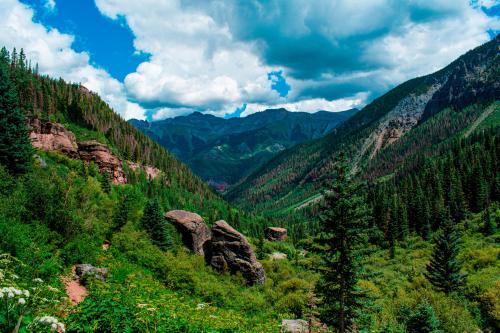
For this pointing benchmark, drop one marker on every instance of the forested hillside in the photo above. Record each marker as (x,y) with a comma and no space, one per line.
(396,129)
(224,151)
(391,220)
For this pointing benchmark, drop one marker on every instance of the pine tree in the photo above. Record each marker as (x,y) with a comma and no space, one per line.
(261,255)
(105,183)
(489,227)
(423,319)
(443,271)
(123,209)
(153,222)
(343,220)
(15,146)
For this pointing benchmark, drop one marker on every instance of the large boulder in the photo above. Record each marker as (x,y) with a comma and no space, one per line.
(276,234)
(232,252)
(100,154)
(50,136)
(294,326)
(195,233)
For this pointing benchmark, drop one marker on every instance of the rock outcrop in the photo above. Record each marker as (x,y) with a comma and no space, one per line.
(93,151)
(294,326)
(50,136)
(275,234)
(195,233)
(232,252)
(84,271)
(151,172)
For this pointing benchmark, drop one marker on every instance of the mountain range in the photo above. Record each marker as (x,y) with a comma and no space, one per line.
(224,151)
(415,117)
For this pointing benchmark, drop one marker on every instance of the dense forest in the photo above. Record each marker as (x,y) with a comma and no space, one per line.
(406,241)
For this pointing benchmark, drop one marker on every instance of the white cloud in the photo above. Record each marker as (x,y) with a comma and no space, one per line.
(55,57)
(311,105)
(215,56)
(194,61)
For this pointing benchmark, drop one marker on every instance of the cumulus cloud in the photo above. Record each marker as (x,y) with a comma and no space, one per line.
(312,105)
(55,57)
(215,56)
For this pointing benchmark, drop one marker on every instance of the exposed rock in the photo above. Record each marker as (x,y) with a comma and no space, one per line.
(93,151)
(41,162)
(232,252)
(83,271)
(195,233)
(294,326)
(278,256)
(151,172)
(105,245)
(275,233)
(52,137)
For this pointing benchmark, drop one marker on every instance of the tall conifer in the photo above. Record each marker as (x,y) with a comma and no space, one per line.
(15,146)
(343,221)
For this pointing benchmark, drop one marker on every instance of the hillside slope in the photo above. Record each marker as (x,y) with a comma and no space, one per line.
(223,151)
(392,128)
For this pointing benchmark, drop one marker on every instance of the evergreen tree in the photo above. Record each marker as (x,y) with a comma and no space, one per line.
(343,221)
(423,319)
(260,254)
(443,271)
(15,146)
(154,223)
(489,227)
(123,209)
(105,183)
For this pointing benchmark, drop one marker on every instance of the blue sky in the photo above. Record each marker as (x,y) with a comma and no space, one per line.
(159,59)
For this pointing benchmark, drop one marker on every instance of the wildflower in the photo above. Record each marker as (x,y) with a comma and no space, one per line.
(10,294)
(22,301)
(200,306)
(38,280)
(53,327)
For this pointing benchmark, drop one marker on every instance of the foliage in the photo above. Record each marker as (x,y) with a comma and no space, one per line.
(343,219)
(15,147)
(153,222)
(443,271)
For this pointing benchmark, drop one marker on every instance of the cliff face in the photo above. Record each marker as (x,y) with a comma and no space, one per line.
(49,136)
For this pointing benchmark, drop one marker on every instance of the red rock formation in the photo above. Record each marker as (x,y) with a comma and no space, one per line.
(151,172)
(195,233)
(52,137)
(93,151)
(276,234)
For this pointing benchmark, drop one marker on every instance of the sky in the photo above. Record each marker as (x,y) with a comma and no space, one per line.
(153,59)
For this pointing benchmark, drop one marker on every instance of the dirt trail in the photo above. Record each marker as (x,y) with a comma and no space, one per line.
(74,289)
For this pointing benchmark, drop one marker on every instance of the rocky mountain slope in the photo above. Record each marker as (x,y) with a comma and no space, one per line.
(223,151)
(412,117)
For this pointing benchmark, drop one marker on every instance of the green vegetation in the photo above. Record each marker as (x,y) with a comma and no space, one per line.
(444,269)
(15,147)
(375,238)
(343,220)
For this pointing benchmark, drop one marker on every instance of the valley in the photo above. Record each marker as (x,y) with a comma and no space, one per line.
(381,219)
(224,151)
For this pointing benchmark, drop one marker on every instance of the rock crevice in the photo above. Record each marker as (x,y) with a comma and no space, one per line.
(223,247)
